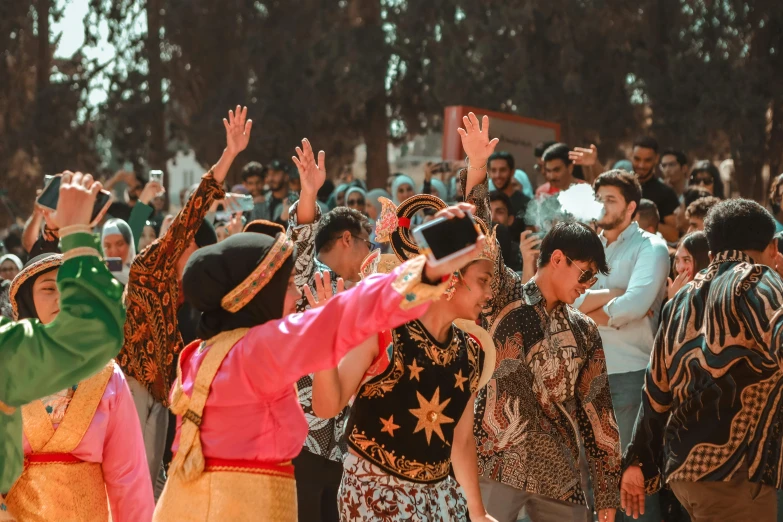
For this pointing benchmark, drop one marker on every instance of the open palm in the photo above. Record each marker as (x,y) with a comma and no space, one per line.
(237,130)
(475,139)
(311,174)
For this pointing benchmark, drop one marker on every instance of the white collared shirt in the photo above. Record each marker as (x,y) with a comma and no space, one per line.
(639,263)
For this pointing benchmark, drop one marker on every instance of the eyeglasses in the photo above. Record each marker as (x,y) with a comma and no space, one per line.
(359,202)
(702,181)
(367,242)
(587,277)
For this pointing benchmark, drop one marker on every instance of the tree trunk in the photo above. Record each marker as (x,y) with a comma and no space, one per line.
(43,67)
(366,18)
(157,120)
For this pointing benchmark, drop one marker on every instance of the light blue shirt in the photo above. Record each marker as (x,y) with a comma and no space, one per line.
(639,264)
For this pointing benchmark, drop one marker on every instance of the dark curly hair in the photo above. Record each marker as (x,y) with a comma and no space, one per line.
(337,221)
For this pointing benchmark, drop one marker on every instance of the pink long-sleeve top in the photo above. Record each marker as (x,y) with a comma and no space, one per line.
(114,440)
(252,412)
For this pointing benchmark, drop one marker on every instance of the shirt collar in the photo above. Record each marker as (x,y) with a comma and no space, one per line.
(732,256)
(532,296)
(629,231)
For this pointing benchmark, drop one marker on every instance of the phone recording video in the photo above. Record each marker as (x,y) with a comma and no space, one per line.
(51,195)
(443,239)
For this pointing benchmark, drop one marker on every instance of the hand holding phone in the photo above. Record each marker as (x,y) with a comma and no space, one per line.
(450,241)
(74,199)
(238,203)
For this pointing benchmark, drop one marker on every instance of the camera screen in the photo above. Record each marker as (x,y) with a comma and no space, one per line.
(444,237)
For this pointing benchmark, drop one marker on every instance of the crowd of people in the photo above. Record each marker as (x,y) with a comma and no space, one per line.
(304,359)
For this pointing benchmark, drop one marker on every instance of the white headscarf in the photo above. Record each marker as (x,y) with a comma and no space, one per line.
(120,227)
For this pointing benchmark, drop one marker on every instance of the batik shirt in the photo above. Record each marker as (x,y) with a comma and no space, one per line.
(325,436)
(713,392)
(152,339)
(550,390)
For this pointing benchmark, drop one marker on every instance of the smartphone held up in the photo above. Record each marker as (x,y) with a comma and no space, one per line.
(51,195)
(444,239)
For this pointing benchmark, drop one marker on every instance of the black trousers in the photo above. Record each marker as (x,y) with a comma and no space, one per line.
(317,482)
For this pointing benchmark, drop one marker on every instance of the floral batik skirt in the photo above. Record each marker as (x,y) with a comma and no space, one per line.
(367,493)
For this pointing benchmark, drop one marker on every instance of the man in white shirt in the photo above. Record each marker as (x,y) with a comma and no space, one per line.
(626,304)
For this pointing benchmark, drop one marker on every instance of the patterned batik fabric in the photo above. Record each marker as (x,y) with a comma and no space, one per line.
(550,389)
(368,494)
(152,337)
(325,436)
(713,392)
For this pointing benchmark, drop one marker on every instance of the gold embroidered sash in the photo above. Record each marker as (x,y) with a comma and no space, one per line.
(189,461)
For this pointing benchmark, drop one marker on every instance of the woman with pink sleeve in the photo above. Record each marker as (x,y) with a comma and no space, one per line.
(84,454)
(239,423)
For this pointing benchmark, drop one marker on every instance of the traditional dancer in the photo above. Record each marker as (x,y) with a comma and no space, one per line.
(412,417)
(83,443)
(239,423)
(40,359)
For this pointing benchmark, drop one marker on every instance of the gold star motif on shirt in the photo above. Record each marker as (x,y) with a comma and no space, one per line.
(415,370)
(388,425)
(430,415)
(460,380)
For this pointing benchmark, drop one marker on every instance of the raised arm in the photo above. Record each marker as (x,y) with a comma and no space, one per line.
(38,360)
(181,233)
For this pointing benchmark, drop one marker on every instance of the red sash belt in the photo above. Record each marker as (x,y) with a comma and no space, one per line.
(51,458)
(277,469)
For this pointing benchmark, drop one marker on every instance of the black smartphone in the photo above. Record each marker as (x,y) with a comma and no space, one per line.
(114,264)
(51,195)
(443,239)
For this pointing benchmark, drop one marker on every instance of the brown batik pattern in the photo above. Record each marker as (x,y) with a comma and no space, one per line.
(367,493)
(152,338)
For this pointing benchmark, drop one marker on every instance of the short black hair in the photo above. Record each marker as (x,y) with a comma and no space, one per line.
(541,148)
(708,167)
(497,195)
(627,183)
(681,157)
(739,224)
(253,169)
(278,166)
(648,213)
(558,151)
(691,194)
(337,221)
(701,207)
(646,142)
(502,155)
(577,241)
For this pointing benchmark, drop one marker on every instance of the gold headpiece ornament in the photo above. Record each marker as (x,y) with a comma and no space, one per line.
(247,289)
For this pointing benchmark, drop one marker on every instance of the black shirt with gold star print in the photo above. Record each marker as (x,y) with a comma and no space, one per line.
(403,419)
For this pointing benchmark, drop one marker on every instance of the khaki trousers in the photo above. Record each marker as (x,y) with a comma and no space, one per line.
(737,500)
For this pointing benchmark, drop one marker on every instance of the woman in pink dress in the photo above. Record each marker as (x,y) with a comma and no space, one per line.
(239,423)
(84,454)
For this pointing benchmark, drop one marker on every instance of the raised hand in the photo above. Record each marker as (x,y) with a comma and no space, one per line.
(632,491)
(151,189)
(674,286)
(77,199)
(475,139)
(238,129)
(323,289)
(529,244)
(235,224)
(311,174)
(435,272)
(583,156)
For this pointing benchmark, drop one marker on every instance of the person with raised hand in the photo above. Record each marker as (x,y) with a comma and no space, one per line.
(335,243)
(239,423)
(152,335)
(39,359)
(549,393)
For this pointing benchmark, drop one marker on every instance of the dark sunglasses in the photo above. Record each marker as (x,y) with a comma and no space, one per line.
(587,277)
(355,202)
(698,180)
(367,242)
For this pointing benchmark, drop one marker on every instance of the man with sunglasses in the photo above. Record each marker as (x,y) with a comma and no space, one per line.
(626,303)
(549,393)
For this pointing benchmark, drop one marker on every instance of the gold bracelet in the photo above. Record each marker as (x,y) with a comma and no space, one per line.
(467,160)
